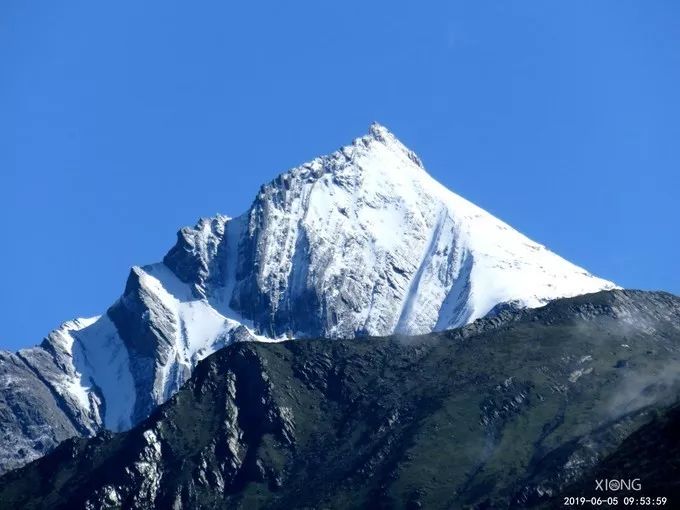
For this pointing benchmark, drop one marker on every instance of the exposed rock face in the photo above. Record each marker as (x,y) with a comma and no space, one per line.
(360,242)
(507,412)
(33,417)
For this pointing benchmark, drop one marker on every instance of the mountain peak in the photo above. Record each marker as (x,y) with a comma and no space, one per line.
(379,139)
(379,132)
(361,242)
(367,230)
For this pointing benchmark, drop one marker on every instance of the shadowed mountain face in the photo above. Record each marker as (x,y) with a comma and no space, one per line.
(650,455)
(361,242)
(509,411)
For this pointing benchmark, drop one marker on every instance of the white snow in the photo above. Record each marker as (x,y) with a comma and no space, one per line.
(92,358)
(102,360)
(203,329)
(62,337)
(508,267)
(576,374)
(424,257)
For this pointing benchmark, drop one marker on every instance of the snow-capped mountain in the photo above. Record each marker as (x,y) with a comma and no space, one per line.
(360,242)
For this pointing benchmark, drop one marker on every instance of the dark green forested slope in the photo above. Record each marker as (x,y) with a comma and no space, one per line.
(507,412)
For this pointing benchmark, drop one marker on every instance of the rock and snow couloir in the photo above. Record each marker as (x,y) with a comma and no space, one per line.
(360,242)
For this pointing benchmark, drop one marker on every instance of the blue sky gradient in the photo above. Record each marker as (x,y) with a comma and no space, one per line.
(122,121)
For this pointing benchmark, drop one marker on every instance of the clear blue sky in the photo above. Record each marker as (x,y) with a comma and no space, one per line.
(122,121)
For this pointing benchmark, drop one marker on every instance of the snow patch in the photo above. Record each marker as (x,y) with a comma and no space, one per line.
(102,360)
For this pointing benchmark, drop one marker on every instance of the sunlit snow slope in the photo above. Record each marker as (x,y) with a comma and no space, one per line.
(360,242)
